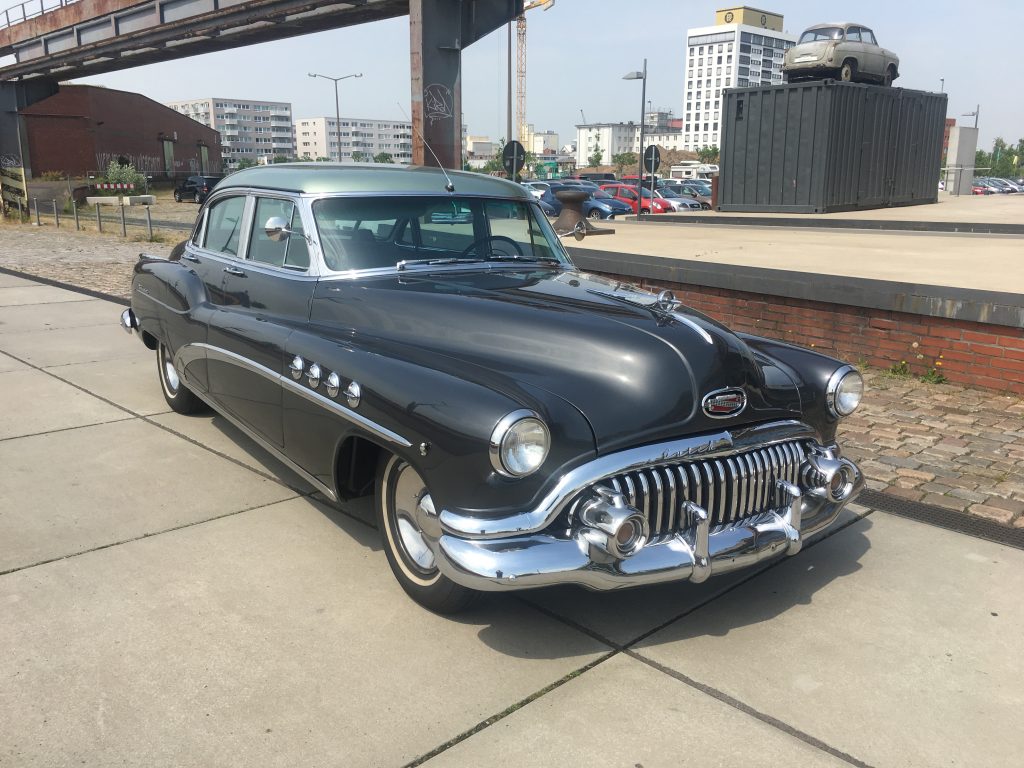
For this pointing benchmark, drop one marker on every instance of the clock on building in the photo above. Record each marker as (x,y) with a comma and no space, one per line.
(729,17)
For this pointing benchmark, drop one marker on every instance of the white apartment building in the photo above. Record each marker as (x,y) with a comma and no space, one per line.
(249,130)
(317,137)
(744,48)
(610,138)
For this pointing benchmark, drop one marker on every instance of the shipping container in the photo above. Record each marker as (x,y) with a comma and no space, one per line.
(827,146)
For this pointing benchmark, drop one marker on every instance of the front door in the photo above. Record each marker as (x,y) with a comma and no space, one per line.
(267,290)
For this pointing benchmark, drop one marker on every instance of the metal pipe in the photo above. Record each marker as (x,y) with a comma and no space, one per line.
(124,227)
(99,219)
(640,177)
(149,223)
(56,215)
(74,207)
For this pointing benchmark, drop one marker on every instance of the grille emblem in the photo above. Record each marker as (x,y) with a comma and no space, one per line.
(724,402)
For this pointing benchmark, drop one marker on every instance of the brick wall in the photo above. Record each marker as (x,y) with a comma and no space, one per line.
(975,354)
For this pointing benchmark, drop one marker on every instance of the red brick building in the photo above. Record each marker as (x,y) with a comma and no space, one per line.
(82,128)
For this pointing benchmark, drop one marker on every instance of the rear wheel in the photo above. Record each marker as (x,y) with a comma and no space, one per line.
(177,196)
(400,489)
(594,214)
(197,198)
(177,395)
(889,76)
(848,72)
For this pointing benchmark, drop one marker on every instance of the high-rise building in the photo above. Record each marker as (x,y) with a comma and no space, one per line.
(744,47)
(249,130)
(318,137)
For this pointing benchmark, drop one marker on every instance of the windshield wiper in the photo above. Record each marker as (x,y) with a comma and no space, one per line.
(406,263)
(532,260)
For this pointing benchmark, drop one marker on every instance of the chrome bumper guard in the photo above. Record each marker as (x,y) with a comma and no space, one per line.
(543,559)
(129,322)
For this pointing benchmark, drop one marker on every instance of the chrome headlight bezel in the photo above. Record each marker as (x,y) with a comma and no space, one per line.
(499,443)
(847,375)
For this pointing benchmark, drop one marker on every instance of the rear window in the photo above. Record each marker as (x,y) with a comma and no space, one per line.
(822,33)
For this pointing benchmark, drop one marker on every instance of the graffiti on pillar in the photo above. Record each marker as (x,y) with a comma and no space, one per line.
(438,103)
(12,181)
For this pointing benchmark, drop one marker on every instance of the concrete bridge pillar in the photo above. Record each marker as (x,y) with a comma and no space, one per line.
(15,168)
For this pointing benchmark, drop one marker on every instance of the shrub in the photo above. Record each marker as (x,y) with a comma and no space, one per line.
(53,176)
(124,174)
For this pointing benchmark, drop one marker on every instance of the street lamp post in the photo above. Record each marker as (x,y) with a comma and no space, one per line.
(337,109)
(643,102)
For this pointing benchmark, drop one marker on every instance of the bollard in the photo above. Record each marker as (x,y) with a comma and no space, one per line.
(124,227)
(35,202)
(74,207)
(149,223)
(56,214)
(99,219)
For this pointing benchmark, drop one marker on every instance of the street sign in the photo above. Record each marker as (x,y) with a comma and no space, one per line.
(513,157)
(652,159)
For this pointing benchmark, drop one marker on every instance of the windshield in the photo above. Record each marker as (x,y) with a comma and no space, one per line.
(822,33)
(380,232)
(668,192)
(601,195)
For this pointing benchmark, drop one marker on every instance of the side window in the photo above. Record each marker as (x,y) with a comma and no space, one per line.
(288,252)
(867,36)
(853,35)
(224,225)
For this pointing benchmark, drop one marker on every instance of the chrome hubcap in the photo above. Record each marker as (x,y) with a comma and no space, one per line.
(170,374)
(408,490)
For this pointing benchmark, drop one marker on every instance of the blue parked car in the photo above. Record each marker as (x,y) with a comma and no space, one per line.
(598,205)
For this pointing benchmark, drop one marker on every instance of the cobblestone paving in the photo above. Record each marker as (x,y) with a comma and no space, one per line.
(942,444)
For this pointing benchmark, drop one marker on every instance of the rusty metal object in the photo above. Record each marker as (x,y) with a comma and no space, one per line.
(572,214)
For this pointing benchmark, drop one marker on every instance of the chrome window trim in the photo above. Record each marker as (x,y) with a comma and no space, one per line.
(717,444)
(188,352)
(243,242)
(296,200)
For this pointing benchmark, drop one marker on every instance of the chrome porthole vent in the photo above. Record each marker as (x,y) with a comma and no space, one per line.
(333,384)
(296,367)
(353,394)
(313,375)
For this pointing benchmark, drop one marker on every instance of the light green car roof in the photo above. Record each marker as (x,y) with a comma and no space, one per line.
(328,178)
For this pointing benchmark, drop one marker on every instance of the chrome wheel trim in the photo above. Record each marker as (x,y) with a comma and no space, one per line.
(168,375)
(403,489)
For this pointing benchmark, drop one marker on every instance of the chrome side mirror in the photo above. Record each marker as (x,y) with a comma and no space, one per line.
(578,232)
(276,229)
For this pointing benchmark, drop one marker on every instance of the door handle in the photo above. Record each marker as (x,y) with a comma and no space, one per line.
(234,271)
(190,257)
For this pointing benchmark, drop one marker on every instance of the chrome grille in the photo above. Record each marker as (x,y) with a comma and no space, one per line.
(729,488)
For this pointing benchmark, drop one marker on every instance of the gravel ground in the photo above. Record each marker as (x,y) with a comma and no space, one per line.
(941,444)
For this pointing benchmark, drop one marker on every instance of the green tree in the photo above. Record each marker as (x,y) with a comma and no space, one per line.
(281,159)
(595,159)
(383,157)
(245,163)
(358,157)
(708,155)
(624,160)
(124,173)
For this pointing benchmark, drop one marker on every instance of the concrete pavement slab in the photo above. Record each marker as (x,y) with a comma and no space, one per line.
(214,431)
(35,402)
(131,383)
(8,363)
(68,314)
(67,492)
(622,617)
(895,642)
(73,345)
(13,281)
(277,637)
(35,293)
(624,713)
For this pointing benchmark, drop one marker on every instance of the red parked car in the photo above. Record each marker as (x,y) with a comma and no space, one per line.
(627,194)
(981,189)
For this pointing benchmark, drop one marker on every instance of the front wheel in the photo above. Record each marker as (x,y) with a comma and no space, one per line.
(594,214)
(177,196)
(645,210)
(177,395)
(848,72)
(400,518)
(197,198)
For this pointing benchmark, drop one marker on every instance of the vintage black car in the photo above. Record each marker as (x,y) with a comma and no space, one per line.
(424,337)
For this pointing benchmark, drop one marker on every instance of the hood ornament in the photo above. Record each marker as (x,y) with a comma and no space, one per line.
(723,403)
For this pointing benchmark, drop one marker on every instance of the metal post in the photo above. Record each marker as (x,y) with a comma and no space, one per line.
(74,207)
(56,215)
(35,203)
(124,228)
(99,219)
(977,109)
(508,130)
(149,223)
(337,121)
(640,178)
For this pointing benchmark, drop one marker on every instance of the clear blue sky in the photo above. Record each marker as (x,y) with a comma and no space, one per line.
(579,50)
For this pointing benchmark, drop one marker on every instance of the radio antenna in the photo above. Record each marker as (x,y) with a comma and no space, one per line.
(449,187)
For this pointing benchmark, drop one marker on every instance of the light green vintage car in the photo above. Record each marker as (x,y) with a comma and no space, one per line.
(846,51)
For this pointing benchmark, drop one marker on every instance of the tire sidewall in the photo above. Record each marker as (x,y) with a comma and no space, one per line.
(387,477)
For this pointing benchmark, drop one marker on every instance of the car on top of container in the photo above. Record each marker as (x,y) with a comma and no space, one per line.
(845,51)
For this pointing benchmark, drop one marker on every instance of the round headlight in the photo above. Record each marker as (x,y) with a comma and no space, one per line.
(519,444)
(845,390)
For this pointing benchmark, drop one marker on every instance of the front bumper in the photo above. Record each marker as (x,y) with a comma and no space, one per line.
(568,556)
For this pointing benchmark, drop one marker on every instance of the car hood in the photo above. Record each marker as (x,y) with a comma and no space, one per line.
(637,374)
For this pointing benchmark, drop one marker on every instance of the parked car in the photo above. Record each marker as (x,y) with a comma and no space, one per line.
(679,202)
(978,188)
(195,188)
(537,188)
(845,51)
(601,178)
(627,193)
(693,192)
(1002,186)
(547,208)
(394,332)
(597,205)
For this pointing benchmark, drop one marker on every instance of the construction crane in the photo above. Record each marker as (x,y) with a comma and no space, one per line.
(528,5)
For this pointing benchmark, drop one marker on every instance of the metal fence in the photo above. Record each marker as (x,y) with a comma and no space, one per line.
(29,9)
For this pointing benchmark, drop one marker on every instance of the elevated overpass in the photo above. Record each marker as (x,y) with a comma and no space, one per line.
(46,41)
